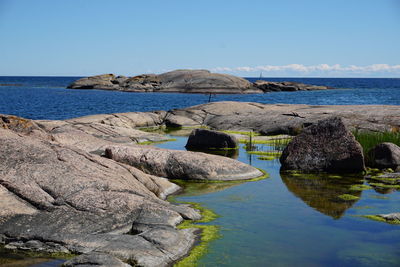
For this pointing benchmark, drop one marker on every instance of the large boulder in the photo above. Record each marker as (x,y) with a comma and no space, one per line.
(176,164)
(207,139)
(327,146)
(385,155)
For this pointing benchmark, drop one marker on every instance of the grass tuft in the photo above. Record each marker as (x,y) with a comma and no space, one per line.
(368,140)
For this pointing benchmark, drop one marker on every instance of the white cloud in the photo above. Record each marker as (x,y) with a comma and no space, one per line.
(321,69)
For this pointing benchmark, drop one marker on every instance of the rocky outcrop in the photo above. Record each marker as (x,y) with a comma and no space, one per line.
(182,164)
(272,119)
(104,81)
(385,155)
(72,201)
(267,86)
(180,81)
(203,139)
(326,146)
(188,81)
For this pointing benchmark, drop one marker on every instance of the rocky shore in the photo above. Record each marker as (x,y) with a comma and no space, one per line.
(87,186)
(187,81)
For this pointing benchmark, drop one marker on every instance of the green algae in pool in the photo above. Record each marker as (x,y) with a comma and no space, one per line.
(12,258)
(296,220)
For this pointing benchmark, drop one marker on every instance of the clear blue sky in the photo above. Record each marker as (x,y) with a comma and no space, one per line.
(86,37)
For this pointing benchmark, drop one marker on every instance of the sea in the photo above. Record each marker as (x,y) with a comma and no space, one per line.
(283,220)
(48,98)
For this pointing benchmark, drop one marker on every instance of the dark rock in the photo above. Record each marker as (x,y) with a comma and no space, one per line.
(268,86)
(326,146)
(176,164)
(385,155)
(207,139)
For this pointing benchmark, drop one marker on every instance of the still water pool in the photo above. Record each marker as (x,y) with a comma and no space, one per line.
(296,220)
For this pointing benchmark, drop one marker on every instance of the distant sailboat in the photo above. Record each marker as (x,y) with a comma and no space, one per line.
(261,76)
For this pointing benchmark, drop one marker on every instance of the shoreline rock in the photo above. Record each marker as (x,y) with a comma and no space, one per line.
(187,81)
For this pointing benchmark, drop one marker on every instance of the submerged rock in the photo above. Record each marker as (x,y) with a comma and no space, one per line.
(326,146)
(385,155)
(208,139)
(176,164)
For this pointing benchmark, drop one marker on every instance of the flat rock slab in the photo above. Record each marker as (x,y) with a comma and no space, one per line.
(176,164)
(272,119)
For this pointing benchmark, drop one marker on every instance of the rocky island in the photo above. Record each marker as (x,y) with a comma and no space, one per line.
(87,186)
(188,81)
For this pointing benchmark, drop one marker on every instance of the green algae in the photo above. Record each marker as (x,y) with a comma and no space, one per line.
(251,133)
(208,233)
(381,219)
(358,187)
(12,257)
(276,154)
(348,197)
(156,142)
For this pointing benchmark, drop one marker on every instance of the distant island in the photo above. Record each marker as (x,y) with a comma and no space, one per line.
(188,81)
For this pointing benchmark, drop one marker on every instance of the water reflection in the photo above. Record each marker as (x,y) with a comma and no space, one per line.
(321,192)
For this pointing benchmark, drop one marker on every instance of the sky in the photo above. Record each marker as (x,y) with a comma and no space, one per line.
(275,38)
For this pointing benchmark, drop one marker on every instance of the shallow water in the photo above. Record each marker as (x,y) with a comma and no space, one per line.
(296,220)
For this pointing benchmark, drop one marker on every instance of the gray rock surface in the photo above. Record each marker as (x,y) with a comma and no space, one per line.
(104,81)
(182,164)
(326,146)
(385,155)
(181,81)
(268,86)
(390,216)
(95,259)
(271,119)
(58,198)
(187,81)
(208,139)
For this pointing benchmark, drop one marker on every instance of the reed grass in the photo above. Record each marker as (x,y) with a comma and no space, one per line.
(368,140)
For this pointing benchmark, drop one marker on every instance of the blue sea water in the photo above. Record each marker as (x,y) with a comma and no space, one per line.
(279,221)
(48,98)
